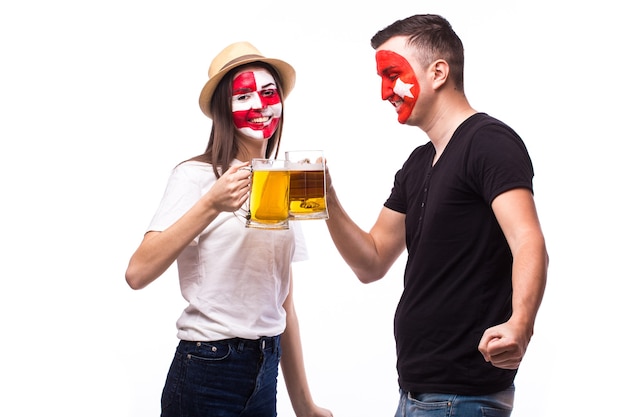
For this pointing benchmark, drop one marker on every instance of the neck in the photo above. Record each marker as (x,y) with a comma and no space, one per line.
(444,122)
(250,148)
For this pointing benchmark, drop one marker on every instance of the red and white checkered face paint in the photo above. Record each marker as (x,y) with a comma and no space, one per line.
(257,107)
(399,82)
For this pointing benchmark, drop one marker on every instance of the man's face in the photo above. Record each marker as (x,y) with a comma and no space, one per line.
(399,82)
(257,107)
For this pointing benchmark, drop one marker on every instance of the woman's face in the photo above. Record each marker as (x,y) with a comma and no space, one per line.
(256,103)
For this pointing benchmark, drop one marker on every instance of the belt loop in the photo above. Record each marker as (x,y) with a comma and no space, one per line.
(262,344)
(240,346)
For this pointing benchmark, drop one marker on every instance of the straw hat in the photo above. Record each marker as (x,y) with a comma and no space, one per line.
(235,55)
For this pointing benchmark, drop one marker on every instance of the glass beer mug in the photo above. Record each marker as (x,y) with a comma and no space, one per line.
(307,189)
(268,204)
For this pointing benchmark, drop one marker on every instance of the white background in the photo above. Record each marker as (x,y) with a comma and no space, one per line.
(98,101)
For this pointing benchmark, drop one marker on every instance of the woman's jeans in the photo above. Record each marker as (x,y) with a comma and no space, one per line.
(499,404)
(227,378)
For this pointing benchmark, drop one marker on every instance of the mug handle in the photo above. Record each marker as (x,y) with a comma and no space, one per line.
(244,211)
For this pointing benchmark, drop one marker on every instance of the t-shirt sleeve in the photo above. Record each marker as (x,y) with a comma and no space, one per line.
(397,199)
(181,193)
(301,252)
(499,162)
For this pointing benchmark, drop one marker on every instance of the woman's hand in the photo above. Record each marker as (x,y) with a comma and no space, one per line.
(231,190)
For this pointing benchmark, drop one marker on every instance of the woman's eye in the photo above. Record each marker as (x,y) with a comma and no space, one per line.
(268,93)
(242,97)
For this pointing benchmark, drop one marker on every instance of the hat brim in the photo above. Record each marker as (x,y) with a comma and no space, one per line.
(286,72)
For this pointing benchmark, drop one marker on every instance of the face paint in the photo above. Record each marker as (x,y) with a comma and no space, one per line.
(399,82)
(257,107)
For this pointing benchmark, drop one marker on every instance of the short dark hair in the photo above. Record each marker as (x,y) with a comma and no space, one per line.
(433,36)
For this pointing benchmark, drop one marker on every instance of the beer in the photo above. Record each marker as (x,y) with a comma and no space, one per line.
(306,191)
(269,195)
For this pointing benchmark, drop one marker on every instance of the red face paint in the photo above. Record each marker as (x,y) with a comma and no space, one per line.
(399,82)
(257,107)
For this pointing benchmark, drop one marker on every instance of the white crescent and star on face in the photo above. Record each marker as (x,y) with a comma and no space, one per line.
(403,89)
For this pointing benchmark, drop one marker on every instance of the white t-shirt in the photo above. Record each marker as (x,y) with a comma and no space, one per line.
(235,279)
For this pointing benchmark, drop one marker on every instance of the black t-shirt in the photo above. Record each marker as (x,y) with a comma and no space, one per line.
(457,280)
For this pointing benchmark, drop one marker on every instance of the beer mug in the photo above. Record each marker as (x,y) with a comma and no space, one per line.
(307,190)
(268,204)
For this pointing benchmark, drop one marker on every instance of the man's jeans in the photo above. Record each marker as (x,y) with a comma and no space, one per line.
(499,404)
(234,377)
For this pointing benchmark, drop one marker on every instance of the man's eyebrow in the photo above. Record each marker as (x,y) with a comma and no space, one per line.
(389,67)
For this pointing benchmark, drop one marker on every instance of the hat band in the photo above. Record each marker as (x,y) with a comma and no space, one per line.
(241,58)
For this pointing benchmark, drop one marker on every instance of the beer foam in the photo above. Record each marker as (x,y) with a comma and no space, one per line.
(304,166)
(271,168)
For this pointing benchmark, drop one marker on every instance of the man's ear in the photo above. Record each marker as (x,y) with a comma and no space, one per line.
(439,71)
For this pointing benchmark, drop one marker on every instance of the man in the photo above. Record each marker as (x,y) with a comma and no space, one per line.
(462,206)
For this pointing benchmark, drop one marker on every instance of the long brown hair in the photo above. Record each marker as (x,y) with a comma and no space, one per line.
(222,147)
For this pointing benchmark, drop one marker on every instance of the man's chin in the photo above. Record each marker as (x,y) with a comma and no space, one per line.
(402,119)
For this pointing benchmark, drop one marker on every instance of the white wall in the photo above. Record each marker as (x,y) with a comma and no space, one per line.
(98,100)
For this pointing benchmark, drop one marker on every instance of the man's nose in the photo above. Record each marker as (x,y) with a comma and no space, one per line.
(386,91)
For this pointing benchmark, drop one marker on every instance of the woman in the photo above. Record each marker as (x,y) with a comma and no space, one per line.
(240,321)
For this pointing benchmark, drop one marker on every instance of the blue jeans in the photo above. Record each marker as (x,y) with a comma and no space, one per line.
(227,378)
(499,404)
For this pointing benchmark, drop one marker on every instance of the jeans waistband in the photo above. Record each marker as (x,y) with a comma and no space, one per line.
(263,343)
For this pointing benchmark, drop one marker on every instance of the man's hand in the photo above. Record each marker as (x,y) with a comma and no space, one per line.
(504,345)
